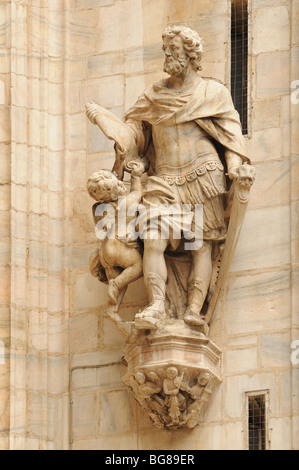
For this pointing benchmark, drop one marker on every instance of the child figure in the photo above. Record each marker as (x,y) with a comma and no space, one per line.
(118,261)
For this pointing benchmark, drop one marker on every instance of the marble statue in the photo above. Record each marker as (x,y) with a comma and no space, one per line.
(185,134)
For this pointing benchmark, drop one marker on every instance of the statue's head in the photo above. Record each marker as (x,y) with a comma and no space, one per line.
(182,45)
(103,186)
(171,372)
(140,377)
(203,379)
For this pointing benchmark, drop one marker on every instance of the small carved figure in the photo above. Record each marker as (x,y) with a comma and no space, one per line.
(197,394)
(146,393)
(118,260)
(174,400)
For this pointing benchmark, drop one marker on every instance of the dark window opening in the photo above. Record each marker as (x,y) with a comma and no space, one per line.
(239,59)
(257,422)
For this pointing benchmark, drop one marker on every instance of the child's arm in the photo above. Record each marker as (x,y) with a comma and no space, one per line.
(136,186)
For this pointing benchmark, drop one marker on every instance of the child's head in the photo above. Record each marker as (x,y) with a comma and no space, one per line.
(103,186)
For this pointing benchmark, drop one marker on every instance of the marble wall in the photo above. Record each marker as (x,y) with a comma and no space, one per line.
(61,387)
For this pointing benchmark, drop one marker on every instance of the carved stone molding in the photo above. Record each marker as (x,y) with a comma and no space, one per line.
(172,373)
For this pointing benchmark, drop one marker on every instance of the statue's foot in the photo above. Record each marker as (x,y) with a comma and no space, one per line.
(149,318)
(193,318)
(113,292)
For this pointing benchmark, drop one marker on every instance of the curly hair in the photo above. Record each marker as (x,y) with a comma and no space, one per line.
(193,44)
(103,186)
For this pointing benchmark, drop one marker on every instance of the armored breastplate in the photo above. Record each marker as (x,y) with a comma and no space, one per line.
(181,149)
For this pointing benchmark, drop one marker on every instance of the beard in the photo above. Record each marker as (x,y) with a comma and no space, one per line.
(174,66)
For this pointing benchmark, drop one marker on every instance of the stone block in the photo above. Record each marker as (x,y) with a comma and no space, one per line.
(271,184)
(5,164)
(295,18)
(287,392)
(77,164)
(56,231)
(266,113)
(88,292)
(95,358)
(227,436)
(83,4)
(84,378)
(99,160)
(18,411)
(214,70)
(4,411)
(56,132)
(58,331)
(37,329)
(179,10)
(111,63)
(271,29)
(295,424)
(110,377)
(116,414)
(82,32)
(4,285)
(272,74)
(294,169)
(37,371)
(5,98)
(5,124)
(111,338)
(209,7)
(57,68)
(85,414)
(280,434)
(4,442)
(155,15)
(275,350)
(268,243)
(5,194)
(77,132)
(240,360)
(254,302)
(106,91)
(120,35)
(58,375)
(84,332)
(135,85)
(37,415)
(265,145)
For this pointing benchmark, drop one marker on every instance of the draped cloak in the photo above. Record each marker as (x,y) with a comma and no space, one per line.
(209,105)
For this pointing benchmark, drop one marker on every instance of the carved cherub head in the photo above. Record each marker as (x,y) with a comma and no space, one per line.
(181,44)
(203,379)
(140,377)
(171,372)
(103,186)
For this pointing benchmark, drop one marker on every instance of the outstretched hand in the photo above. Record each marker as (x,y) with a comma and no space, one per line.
(92,110)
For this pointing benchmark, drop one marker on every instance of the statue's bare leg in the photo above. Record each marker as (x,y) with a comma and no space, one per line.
(198,284)
(155,277)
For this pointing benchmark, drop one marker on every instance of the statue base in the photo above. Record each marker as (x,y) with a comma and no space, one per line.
(172,372)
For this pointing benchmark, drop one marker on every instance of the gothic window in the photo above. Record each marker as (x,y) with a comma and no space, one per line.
(257,421)
(239,59)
